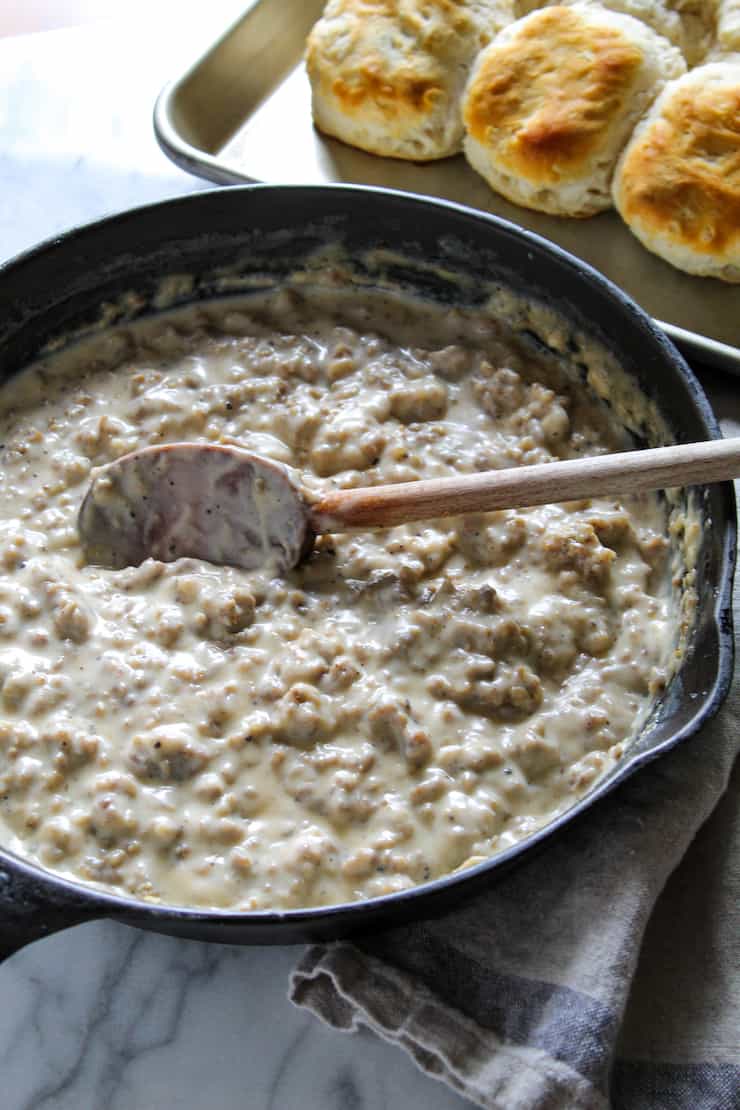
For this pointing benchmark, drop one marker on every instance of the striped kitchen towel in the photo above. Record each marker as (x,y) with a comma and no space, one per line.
(603,972)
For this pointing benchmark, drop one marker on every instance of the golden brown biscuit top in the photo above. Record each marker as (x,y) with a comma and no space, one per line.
(433,23)
(404,87)
(682,177)
(393,53)
(544,99)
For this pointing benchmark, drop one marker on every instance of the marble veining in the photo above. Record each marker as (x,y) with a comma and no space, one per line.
(109,1018)
(103,1017)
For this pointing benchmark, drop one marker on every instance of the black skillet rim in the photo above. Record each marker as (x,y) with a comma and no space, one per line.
(57,892)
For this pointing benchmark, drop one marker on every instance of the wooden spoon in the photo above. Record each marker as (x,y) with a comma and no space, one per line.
(226,505)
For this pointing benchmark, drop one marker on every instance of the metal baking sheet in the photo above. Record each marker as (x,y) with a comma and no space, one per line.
(242,113)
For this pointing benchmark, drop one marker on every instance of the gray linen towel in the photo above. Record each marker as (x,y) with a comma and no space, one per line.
(530,997)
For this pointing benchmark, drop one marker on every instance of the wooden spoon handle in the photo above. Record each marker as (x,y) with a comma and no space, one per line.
(684,464)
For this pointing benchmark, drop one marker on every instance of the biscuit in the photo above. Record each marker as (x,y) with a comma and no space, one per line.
(677,184)
(655,13)
(691,25)
(552,101)
(699,27)
(728,25)
(387,75)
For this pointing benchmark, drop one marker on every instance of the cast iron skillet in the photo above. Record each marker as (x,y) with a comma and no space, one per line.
(260,231)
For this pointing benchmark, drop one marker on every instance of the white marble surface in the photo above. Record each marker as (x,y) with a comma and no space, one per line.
(103,1017)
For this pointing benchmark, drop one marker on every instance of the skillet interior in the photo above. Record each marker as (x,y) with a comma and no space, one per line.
(225,239)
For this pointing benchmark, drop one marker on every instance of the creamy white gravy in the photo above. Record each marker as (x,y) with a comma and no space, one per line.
(407,702)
